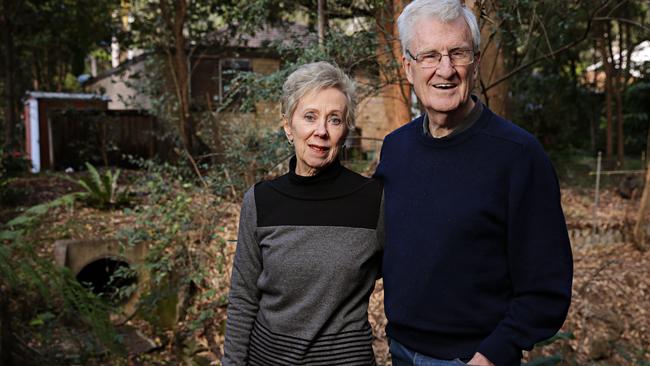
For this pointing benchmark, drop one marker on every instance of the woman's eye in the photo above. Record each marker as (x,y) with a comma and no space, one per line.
(310,117)
(335,120)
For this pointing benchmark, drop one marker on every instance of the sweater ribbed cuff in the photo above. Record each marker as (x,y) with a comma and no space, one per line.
(500,350)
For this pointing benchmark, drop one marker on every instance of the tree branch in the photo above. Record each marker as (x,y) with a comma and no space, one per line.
(566,47)
(624,20)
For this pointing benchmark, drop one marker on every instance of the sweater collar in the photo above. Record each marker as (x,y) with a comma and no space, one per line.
(454,139)
(330,172)
(467,121)
(333,181)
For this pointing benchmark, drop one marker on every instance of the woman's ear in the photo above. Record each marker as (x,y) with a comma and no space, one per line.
(287,128)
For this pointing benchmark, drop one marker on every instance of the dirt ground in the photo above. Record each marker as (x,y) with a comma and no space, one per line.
(608,322)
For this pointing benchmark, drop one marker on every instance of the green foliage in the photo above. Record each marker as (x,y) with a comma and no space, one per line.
(637,116)
(249,155)
(550,95)
(54,37)
(101,191)
(352,52)
(54,295)
(13,163)
(180,223)
(540,106)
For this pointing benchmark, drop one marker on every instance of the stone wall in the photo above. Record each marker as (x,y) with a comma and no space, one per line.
(601,234)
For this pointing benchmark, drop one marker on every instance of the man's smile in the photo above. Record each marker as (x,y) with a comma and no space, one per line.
(444,86)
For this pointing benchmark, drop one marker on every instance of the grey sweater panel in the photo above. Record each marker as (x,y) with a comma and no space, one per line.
(244,295)
(305,288)
(302,264)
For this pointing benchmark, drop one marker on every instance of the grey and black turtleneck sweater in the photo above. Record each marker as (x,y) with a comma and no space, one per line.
(308,254)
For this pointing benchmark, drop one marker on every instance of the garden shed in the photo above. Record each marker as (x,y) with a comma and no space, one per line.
(38,109)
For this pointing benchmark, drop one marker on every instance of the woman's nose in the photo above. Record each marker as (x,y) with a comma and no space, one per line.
(321,128)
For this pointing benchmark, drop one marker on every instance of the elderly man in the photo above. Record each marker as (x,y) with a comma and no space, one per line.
(477,264)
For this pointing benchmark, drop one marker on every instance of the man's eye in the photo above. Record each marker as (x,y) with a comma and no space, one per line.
(458,53)
(433,56)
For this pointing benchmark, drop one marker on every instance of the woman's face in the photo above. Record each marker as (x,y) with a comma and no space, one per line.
(317,129)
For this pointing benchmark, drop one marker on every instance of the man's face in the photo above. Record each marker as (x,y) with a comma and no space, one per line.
(445,88)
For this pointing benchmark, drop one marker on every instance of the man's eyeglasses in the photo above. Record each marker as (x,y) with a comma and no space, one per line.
(457,57)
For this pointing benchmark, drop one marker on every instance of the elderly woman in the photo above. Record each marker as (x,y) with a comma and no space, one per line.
(308,251)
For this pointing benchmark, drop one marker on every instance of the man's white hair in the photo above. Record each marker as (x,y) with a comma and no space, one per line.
(443,10)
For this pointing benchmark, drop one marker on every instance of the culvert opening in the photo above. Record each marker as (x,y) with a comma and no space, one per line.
(110,278)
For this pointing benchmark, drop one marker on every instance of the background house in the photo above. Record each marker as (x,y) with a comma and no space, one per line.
(214,67)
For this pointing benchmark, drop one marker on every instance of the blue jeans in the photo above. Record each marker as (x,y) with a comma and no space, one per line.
(403,356)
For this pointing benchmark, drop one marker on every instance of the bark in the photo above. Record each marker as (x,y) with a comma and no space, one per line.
(609,76)
(11,115)
(397,93)
(175,18)
(322,21)
(620,89)
(640,240)
(492,66)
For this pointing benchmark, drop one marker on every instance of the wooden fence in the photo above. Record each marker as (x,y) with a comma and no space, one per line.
(103,137)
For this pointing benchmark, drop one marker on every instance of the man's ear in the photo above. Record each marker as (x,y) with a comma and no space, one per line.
(407,64)
(477,67)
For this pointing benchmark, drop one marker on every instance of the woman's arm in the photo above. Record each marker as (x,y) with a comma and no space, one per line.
(244,294)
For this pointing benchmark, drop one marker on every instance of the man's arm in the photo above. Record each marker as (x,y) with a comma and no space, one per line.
(539,260)
(244,295)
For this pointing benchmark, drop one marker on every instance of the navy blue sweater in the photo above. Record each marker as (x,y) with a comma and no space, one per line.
(477,256)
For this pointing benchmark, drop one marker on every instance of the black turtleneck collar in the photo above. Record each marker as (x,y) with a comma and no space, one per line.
(330,182)
(329,172)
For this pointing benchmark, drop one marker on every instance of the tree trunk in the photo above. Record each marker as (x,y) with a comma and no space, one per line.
(620,150)
(609,75)
(178,64)
(620,89)
(397,92)
(322,22)
(640,227)
(492,65)
(10,81)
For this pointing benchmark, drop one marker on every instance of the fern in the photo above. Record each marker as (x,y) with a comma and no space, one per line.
(102,191)
(29,276)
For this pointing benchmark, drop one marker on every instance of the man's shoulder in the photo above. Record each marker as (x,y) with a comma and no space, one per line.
(403,130)
(508,131)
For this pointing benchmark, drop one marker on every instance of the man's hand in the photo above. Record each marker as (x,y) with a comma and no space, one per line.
(479,360)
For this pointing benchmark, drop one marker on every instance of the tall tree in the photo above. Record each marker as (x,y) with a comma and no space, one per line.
(7,13)
(176,30)
(396,89)
(640,228)
(44,45)
(492,55)
(322,21)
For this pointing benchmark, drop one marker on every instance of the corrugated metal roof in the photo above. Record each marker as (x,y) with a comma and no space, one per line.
(76,96)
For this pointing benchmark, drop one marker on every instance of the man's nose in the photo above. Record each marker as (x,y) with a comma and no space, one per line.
(445,68)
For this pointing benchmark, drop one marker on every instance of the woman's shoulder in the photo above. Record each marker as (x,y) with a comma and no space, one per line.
(266,185)
(353,179)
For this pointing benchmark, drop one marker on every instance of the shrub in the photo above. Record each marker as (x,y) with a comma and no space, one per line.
(102,191)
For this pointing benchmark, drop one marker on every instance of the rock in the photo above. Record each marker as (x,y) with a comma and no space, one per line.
(630,186)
